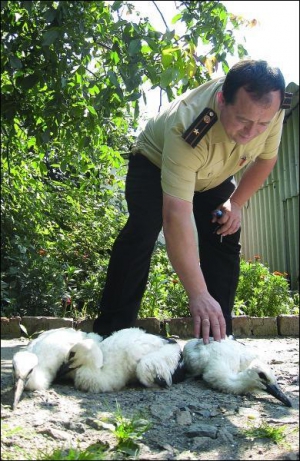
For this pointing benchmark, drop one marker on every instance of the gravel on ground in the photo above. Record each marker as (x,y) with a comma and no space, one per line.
(188,420)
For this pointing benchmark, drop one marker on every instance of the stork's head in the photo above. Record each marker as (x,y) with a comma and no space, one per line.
(23,364)
(86,352)
(262,377)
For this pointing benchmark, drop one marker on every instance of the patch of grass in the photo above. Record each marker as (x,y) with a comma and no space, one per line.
(7,433)
(96,451)
(16,453)
(276,434)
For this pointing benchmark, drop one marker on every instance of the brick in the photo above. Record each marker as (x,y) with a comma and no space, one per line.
(288,325)
(38,324)
(241,326)
(10,328)
(264,326)
(245,326)
(85,325)
(182,327)
(150,325)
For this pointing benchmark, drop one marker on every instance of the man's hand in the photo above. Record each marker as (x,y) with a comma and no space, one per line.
(230,221)
(207,315)
(252,179)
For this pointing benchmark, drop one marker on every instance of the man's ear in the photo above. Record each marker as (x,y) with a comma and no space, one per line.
(220,100)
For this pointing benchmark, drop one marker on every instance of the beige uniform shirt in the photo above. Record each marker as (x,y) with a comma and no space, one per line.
(185,169)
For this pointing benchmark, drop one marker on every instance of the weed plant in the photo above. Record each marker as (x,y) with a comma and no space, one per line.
(264,430)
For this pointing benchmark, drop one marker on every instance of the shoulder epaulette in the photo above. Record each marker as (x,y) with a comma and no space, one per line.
(287,101)
(200,127)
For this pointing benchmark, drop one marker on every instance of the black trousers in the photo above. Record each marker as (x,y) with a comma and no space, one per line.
(129,264)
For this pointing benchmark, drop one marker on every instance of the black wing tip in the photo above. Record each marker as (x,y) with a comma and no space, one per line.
(180,373)
(161,382)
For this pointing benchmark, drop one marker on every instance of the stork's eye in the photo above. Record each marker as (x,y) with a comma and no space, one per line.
(72,355)
(262,376)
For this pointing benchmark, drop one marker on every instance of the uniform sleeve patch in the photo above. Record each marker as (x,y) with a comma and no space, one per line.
(200,127)
(287,101)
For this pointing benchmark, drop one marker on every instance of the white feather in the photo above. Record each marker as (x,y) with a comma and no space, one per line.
(123,357)
(231,367)
(36,367)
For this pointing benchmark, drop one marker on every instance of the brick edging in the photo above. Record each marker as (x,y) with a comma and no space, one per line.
(243,326)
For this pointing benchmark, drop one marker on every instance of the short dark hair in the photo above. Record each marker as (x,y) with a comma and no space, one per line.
(256,77)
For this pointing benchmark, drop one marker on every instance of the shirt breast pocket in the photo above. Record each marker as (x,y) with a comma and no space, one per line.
(253,152)
(212,170)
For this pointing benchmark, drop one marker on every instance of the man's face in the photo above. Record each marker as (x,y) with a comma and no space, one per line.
(246,119)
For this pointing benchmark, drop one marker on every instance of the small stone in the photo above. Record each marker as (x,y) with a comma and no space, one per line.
(225,435)
(202,430)
(55,433)
(249,413)
(183,418)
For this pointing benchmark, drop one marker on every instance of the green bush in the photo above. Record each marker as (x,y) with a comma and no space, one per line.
(60,270)
(165,296)
(32,283)
(261,293)
(54,263)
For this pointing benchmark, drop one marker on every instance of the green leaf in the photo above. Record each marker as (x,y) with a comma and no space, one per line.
(28,82)
(50,14)
(134,96)
(176,18)
(113,78)
(167,77)
(24,329)
(116,5)
(43,168)
(134,47)
(49,37)
(92,110)
(129,447)
(15,62)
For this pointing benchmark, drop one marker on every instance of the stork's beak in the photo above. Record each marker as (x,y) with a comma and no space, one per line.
(19,388)
(278,394)
(66,370)
(63,370)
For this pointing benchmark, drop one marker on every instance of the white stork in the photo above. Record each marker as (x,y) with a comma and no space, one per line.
(230,367)
(126,356)
(36,367)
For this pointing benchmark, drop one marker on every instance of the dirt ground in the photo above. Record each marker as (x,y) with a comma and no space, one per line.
(188,420)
